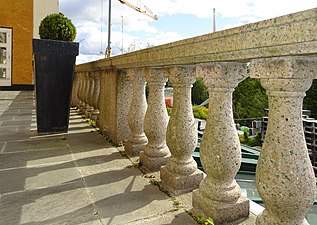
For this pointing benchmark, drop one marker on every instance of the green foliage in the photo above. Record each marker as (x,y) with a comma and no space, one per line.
(249,99)
(199,92)
(57,27)
(169,110)
(310,101)
(201,113)
(246,140)
(201,219)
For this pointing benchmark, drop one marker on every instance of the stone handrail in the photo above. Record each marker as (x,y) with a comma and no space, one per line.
(281,52)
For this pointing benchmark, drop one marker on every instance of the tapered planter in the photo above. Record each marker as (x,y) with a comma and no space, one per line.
(54,64)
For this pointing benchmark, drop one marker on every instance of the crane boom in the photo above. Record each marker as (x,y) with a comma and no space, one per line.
(145,11)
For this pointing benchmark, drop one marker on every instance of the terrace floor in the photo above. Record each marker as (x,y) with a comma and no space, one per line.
(74,178)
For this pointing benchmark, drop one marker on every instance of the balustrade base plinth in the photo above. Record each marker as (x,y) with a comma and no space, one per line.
(152,164)
(176,184)
(220,212)
(133,149)
(263,219)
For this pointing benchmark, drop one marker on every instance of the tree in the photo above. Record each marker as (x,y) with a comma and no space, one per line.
(199,92)
(249,99)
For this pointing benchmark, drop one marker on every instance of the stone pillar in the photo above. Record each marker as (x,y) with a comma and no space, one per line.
(180,173)
(95,98)
(80,91)
(74,97)
(90,94)
(156,152)
(219,196)
(137,139)
(85,93)
(284,175)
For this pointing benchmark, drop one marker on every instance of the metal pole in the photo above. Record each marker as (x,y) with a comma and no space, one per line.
(108,50)
(214,18)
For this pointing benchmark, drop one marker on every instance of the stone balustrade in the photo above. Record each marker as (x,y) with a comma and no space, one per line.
(86,92)
(281,52)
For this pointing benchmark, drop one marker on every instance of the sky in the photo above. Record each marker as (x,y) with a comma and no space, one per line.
(177,20)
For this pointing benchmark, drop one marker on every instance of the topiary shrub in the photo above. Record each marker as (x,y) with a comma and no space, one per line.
(57,27)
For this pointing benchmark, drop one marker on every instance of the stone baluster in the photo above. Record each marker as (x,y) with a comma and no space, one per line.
(85,93)
(156,152)
(80,91)
(137,139)
(284,175)
(95,98)
(180,173)
(219,196)
(75,89)
(90,94)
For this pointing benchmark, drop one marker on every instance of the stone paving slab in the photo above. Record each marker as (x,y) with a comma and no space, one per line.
(21,179)
(35,144)
(63,204)
(34,158)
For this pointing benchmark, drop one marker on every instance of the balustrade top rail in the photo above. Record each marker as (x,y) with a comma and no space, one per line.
(293,34)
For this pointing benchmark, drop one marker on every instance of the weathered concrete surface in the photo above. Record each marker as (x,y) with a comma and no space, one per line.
(74,178)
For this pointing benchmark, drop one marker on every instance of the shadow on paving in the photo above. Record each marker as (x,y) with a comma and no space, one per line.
(73,178)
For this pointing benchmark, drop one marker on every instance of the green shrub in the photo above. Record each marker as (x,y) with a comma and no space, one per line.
(246,140)
(201,113)
(57,27)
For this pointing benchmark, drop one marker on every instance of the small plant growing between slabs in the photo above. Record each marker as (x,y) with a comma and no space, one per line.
(57,27)
(156,183)
(138,164)
(200,219)
(91,123)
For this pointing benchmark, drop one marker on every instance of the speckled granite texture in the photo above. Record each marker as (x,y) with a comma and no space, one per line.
(86,90)
(219,195)
(156,152)
(285,178)
(79,91)
(90,94)
(75,90)
(95,97)
(180,173)
(137,139)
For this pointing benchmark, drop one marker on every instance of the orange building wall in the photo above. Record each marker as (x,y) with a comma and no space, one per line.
(18,15)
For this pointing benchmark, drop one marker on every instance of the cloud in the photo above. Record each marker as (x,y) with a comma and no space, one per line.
(229,8)
(83,58)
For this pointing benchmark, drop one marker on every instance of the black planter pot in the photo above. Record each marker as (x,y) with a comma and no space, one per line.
(54,64)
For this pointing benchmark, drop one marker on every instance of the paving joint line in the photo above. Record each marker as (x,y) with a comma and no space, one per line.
(82,179)
(2,150)
(36,150)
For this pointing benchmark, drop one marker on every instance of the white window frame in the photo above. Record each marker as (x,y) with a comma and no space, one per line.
(8,65)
